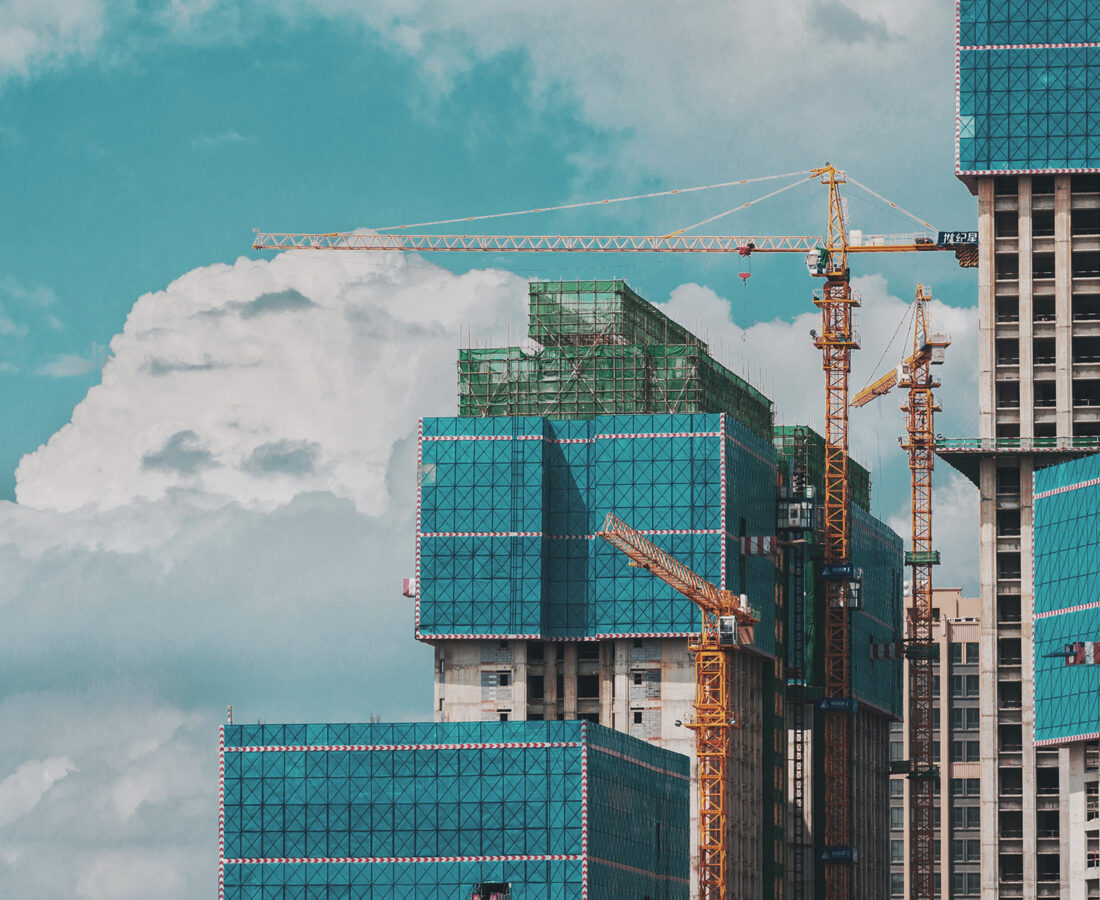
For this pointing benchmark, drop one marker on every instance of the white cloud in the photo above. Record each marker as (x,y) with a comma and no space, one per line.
(71,365)
(256,381)
(37,33)
(21,791)
(221,139)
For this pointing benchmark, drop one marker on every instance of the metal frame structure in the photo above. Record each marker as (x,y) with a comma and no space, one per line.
(714,715)
(915,374)
(827,258)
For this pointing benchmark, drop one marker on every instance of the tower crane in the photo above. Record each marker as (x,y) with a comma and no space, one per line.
(915,375)
(727,621)
(827,258)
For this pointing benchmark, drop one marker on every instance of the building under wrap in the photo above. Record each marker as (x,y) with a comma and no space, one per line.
(553,810)
(1067,591)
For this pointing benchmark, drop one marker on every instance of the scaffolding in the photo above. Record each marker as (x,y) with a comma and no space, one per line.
(603,350)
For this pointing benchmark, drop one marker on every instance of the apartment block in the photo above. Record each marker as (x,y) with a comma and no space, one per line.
(1028,147)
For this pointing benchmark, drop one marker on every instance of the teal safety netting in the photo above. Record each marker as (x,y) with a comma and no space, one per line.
(1067,598)
(1026,98)
(433,810)
(509,508)
(877,549)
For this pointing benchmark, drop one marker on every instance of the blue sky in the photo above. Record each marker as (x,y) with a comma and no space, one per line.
(212,449)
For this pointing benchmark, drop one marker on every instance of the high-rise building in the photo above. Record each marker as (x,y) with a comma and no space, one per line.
(533,617)
(1028,147)
(956,731)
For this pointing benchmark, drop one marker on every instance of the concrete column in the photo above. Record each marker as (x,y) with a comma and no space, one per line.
(569,681)
(1027,675)
(1027,316)
(987,674)
(621,706)
(439,694)
(550,681)
(519,681)
(1071,837)
(986,309)
(607,684)
(1063,307)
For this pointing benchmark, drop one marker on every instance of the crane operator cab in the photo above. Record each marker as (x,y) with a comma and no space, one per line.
(727,631)
(817,261)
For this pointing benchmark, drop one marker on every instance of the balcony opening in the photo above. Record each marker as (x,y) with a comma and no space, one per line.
(1008,309)
(1012,785)
(1086,429)
(1008,653)
(1045,396)
(536,688)
(1086,349)
(1042,184)
(1010,738)
(1042,309)
(1042,350)
(1012,867)
(1006,186)
(1009,695)
(1042,265)
(1086,393)
(1085,308)
(588,687)
(1046,823)
(1042,223)
(1008,430)
(1006,223)
(1008,522)
(1008,351)
(1047,866)
(1085,222)
(1008,564)
(1008,395)
(1008,610)
(1084,184)
(1008,480)
(1045,430)
(1046,780)
(1085,264)
(588,650)
(1007,266)
(536,652)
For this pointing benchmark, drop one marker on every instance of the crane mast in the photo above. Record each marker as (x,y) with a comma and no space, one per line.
(726,622)
(915,375)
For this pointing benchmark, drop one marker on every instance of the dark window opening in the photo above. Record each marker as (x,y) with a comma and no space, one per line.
(1007,266)
(1042,350)
(1008,480)
(594,718)
(1046,396)
(1086,429)
(1086,349)
(1008,309)
(536,652)
(504,679)
(1008,522)
(637,717)
(1009,695)
(588,650)
(1012,821)
(1008,564)
(1008,351)
(588,687)
(1042,265)
(1008,651)
(637,677)
(504,714)
(1012,784)
(1010,738)
(1045,430)
(1008,430)
(1047,866)
(1006,223)
(1005,186)
(1042,309)
(1042,223)
(1008,395)
(1086,393)
(1046,780)
(1085,307)
(1085,264)
(1084,184)
(1046,823)
(1042,184)
(536,687)
(1085,221)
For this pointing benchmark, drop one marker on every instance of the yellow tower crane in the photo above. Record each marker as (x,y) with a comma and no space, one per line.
(827,258)
(915,375)
(726,623)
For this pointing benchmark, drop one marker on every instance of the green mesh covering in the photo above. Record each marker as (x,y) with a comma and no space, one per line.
(604,351)
(790,439)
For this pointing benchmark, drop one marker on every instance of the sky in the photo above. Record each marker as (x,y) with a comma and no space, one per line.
(208,464)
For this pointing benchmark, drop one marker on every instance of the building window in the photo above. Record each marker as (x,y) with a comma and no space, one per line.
(897,787)
(897,884)
(896,751)
(637,677)
(956,653)
(536,687)
(637,713)
(588,687)
(505,714)
(897,851)
(536,653)
(965,818)
(971,653)
(897,817)
(588,650)
(504,679)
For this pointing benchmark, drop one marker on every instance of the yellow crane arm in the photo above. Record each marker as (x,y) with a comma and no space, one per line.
(876,389)
(615,243)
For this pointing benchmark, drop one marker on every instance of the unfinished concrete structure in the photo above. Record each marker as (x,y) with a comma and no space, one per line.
(956,731)
(1026,151)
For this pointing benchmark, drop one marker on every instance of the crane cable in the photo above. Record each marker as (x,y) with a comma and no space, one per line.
(917,219)
(907,314)
(540,209)
(742,206)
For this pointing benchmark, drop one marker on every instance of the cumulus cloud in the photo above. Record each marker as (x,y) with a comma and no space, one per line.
(37,33)
(21,791)
(224,378)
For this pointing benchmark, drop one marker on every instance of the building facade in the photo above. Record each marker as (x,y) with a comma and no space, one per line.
(956,729)
(1028,147)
